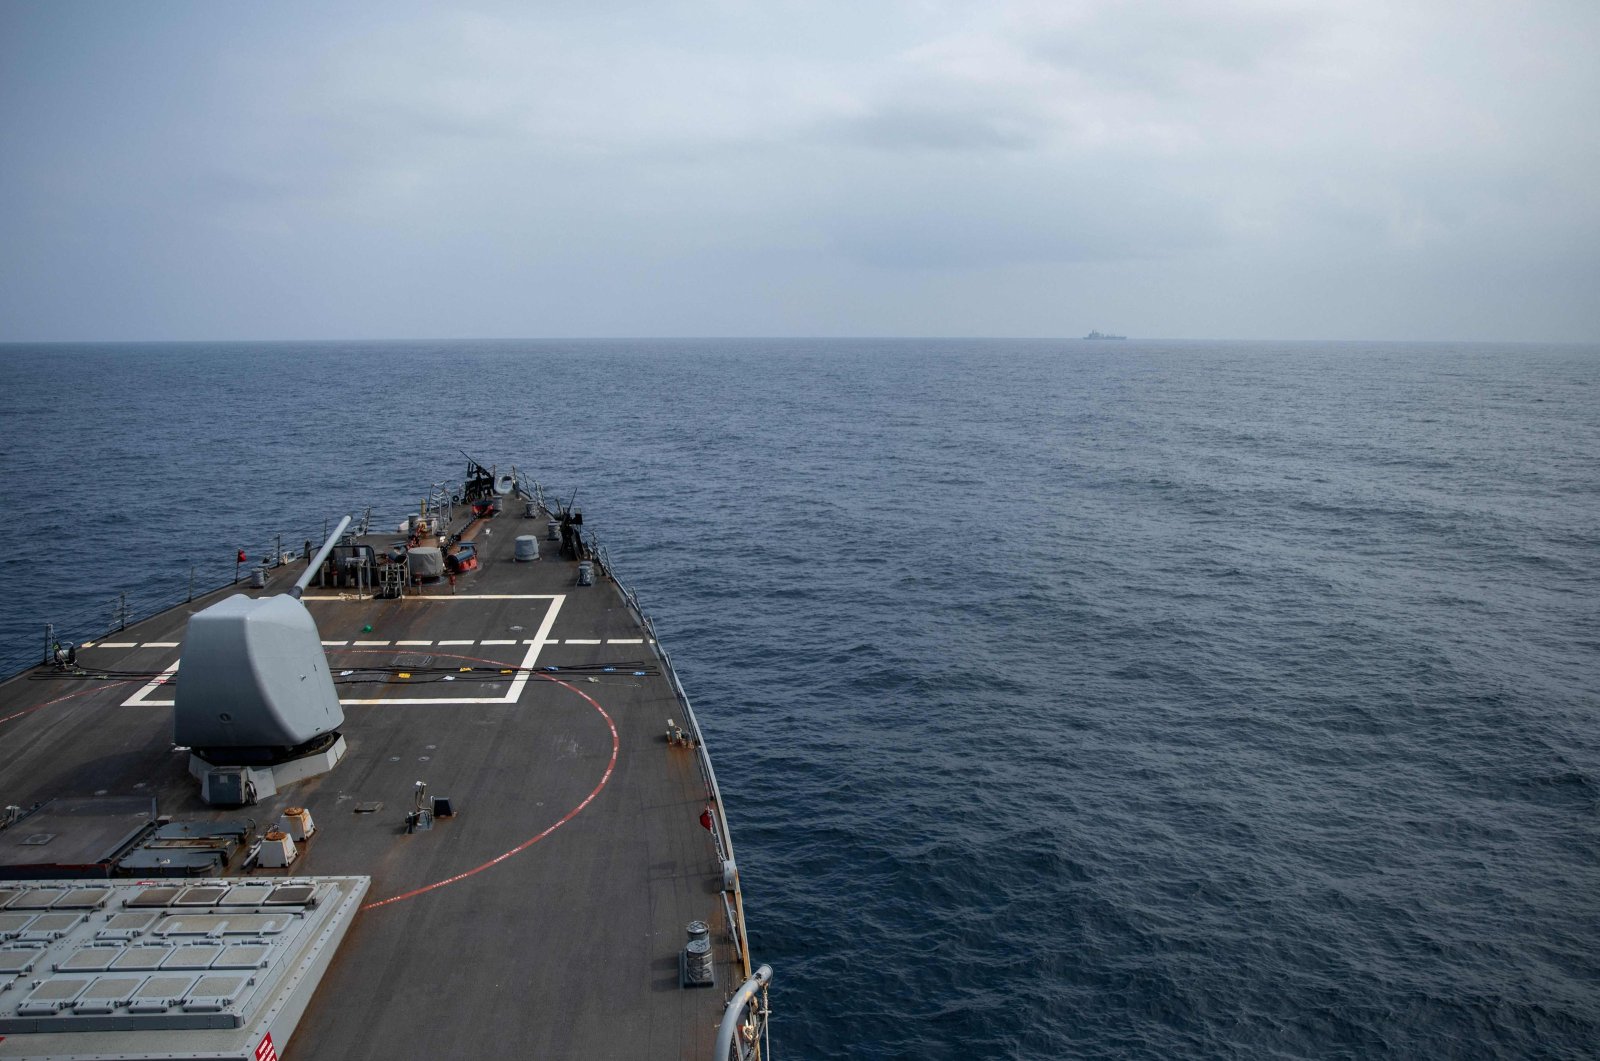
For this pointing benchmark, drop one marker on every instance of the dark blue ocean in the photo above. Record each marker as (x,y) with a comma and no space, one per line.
(1071,699)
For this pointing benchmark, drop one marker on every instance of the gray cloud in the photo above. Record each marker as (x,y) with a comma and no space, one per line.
(671,168)
(903,127)
(1171,48)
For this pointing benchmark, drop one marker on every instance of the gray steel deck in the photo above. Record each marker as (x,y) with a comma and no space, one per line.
(544,919)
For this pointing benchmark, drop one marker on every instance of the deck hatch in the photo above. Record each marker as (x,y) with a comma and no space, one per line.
(242,956)
(17,960)
(51,997)
(106,993)
(215,992)
(11,925)
(141,958)
(89,960)
(229,924)
(154,897)
(193,956)
(126,925)
(51,926)
(37,898)
(160,993)
(74,837)
(247,895)
(293,895)
(193,925)
(82,899)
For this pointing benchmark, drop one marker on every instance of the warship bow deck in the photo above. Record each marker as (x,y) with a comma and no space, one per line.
(541,912)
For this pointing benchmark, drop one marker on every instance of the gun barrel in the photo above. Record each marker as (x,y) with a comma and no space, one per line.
(322,554)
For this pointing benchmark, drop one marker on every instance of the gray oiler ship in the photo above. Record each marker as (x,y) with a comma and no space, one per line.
(427,794)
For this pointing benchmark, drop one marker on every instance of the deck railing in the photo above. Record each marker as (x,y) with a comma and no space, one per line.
(115,608)
(112,609)
(753,1024)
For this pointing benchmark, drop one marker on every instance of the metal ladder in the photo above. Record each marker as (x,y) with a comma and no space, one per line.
(392,580)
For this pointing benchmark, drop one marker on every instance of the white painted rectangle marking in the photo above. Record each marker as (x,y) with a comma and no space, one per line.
(334,644)
(625,641)
(469,641)
(513,694)
(370,644)
(119,644)
(160,644)
(417,643)
(581,641)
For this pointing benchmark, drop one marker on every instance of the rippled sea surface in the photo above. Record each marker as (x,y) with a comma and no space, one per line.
(1071,699)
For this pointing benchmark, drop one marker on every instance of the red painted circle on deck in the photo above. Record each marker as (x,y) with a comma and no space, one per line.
(605,779)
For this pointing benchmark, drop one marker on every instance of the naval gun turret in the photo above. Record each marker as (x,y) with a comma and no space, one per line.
(255,701)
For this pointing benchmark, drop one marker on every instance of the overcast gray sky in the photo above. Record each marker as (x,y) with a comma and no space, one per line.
(1402,169)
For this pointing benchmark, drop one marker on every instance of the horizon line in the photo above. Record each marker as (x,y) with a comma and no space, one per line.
(781,338)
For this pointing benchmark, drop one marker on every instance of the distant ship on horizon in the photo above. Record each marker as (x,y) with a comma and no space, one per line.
(1103,335)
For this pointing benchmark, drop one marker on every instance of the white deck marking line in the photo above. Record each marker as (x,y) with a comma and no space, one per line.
(540,639)
(138,698)
(625,641)
(334,644)
(87,644)
(468,641)
(582,641)
(518,684)
(416,643)
(370,644)
(160,644)
(119,644)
